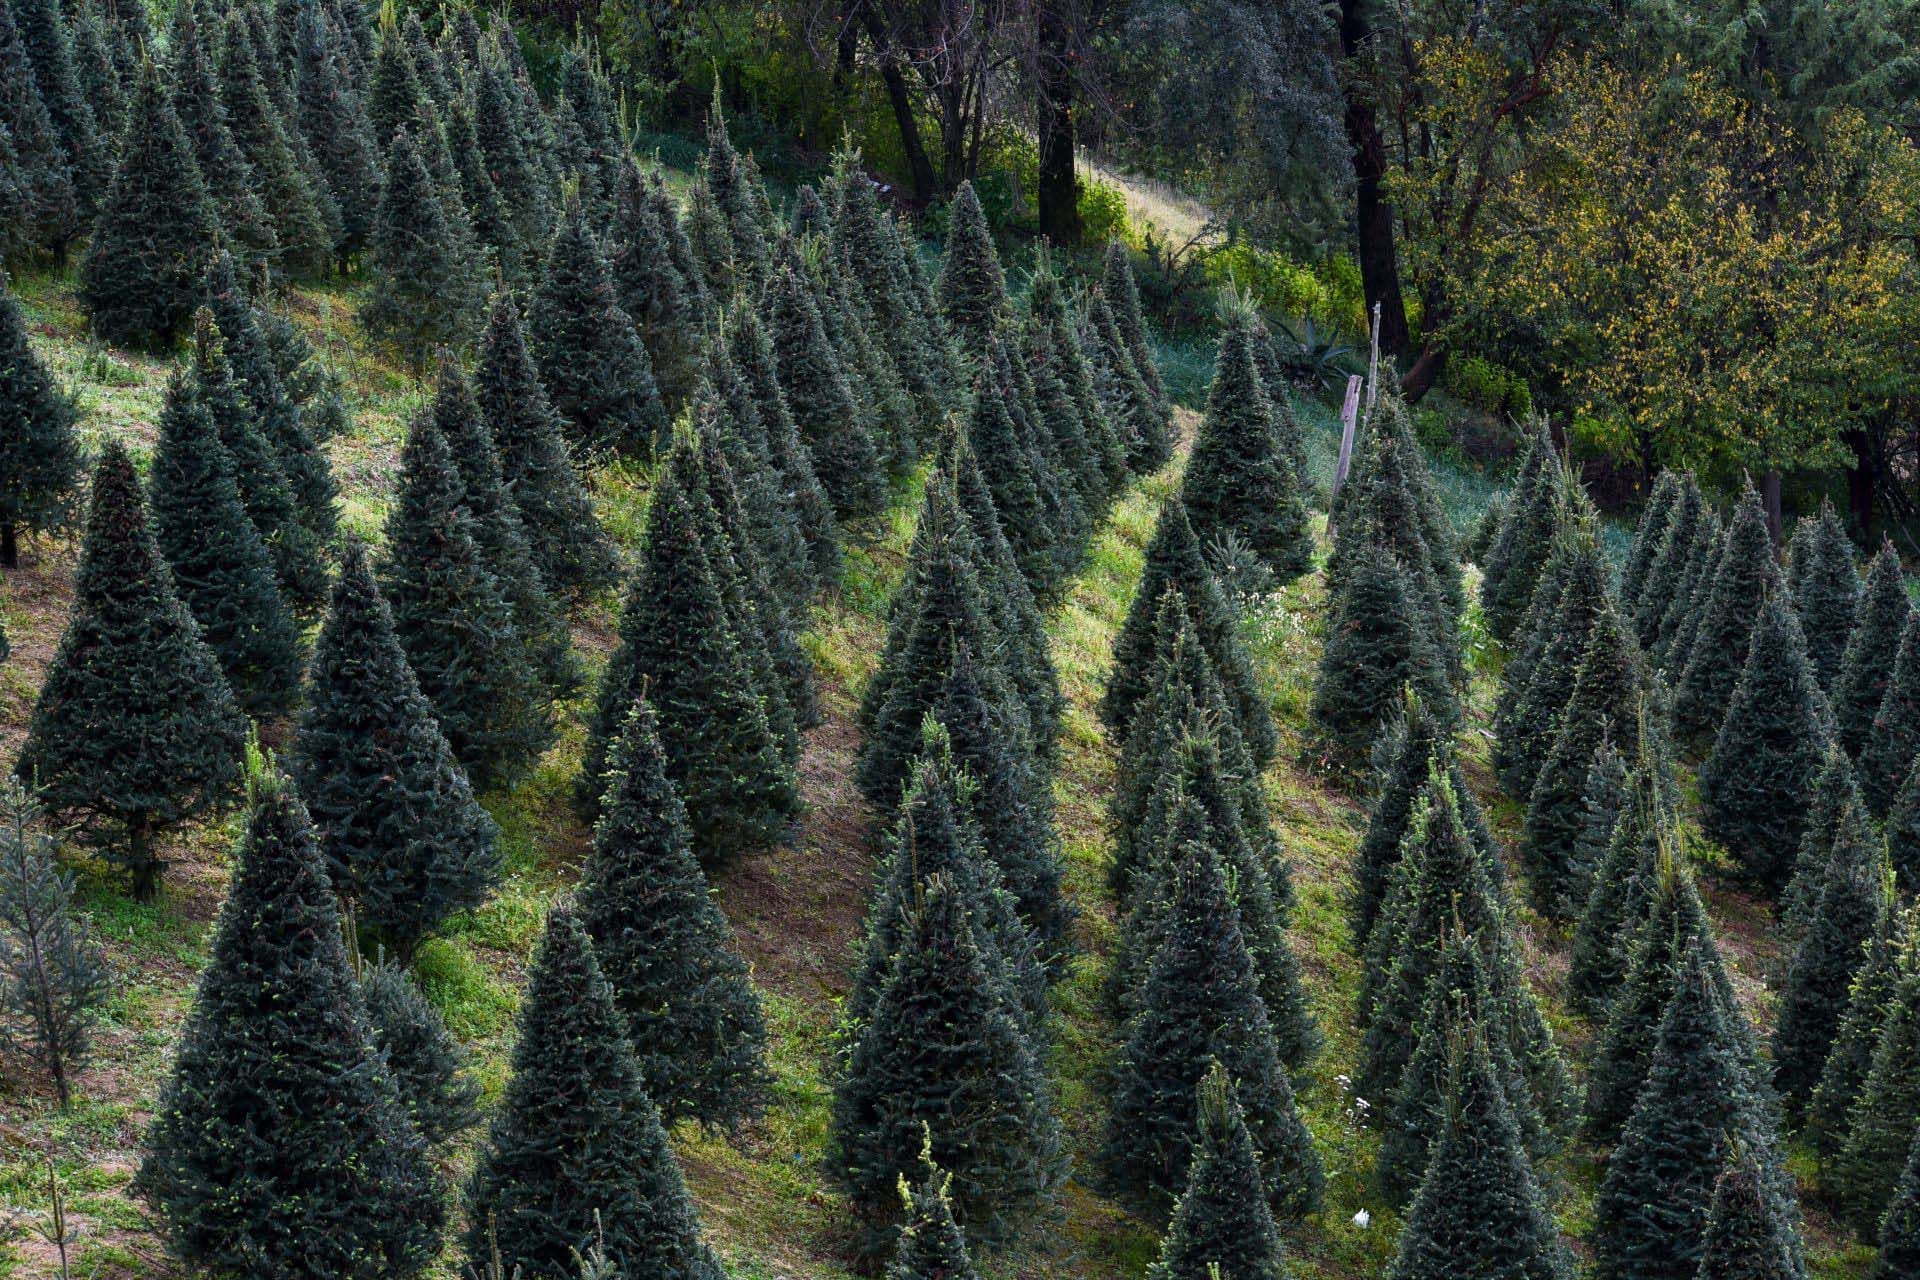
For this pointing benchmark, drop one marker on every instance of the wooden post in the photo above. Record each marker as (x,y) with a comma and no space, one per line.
(1349,419)
(1373,363)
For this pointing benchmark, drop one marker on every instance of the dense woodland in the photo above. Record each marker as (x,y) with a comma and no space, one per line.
(651,642)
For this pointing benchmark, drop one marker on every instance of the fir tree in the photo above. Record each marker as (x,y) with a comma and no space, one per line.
(1525,542)
(805,496)
(1238,483)
(570,550)
(650,287)
(219,564)
(1378,643)
(994,436)
(332,119)
(428,1065)
(1903,831)
(1412,744)
(1900,1231)
(1201,1004)
(1729,608)
(1835,813)
(1868,662)
(972,288)
(814,384)
(931,1246)
(698,1034)
(98,73)
(493,227)
(1865,1173)
(591,358)
(39,456)
(943,1066)
(135,729)
(1621,889)
(1854,895)
(1888,957)
(1222,1228)
(1117,287)
(406,842)
(241,215)
(1748,1238)
(426,292)
(1887,754)
(156,232)
(517,178)
(772,521)
(43,29)
(453,622)
(1602,798)
(1655,519)
(339,1182)
(576,1154)
(44,193)
(1681,616)
(1667,564)
(1137,413)
(1826,590)
(1538,681)
(1479,1213)
(53,976)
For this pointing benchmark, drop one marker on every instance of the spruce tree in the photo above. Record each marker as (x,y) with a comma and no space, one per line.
(576,1156)
(1729,607)
(241,215)
(1748,1238)
(1648,534)
(805,496)
(993,434)
(570,549)
(219,564)
(454,623)
(590,356)
(1835,813)
(1201,1004)
(1602,798)
(405,840)
(1117,287)
(1525,541)
(973,287)
(429,1067)
(1378,643)
(1479,1213)
(135,729)
(1888,958)
(338,1183)
(493,227)
(426,290)
(698,1033)
(1668,563)
(43,29)
(1866,1171)
(1238,482)
(943,1065)
(1868,662)
(48,204)
(39,456)
(1887,754)
(1826,590)
(156,232)
(931,1246)
(1900,1230)
(1413,742)
(814,384)
(1222,1228)
(771,516)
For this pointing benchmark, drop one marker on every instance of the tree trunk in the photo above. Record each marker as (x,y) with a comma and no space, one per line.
(1770,494)
(1373,216)
(145,869)
(9,545)
(1419,379)
(1860,482)
(1059,193)
(901,100)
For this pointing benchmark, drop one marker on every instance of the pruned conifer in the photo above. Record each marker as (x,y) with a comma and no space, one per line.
(1122,294)
(245,229)
(39,455)
(1748,1238)
(1900,1230)
(43,28)
(1379,642)
(651,290)
(1538,680)
(1680,616)
(1865,1172)
(429,1067)
(1826,590)
(1222,1227)
(931,1245)
(1620,890)
(1888,957)
(332,119)
(1867,665)
(813,382)
(45,199)
(805,496)
(1137,413)
(427,292)
(1667,564)
(1729,607)
(1648,534)
(1525,542)
(1887,754)
(973,287)
(517,176)
(1835,812)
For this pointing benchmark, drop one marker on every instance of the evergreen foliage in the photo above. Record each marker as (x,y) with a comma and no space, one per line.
(1621,891)
(240,213)
(813,382)
(1729,607)
(1747,1236)
(1887,755)
(1888,957)
(1826,590)
(1412,745)
(281,1145)
(1117,287)
(1681,616)
(972,287)
(135,729)
(1648,535)
(1538,680)
(1222,1228)
(650,288)
(1867,665)
(1866,1171)
(332,119)
(1835,813)
(1668,564)
(516,174)
(427,292)
(1525,542)
(428,1065)
(45,195)
(1379,642)
(931,1246)
(39,455)
(1136,412)
(804,495)
(1900,1231)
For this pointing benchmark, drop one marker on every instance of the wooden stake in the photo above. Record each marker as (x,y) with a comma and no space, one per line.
(1349,420)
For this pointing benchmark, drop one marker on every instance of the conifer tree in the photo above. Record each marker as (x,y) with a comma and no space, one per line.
(1667,563)
(1602,797)
(869,247)
(492,222)
(973,287)
(814,384)
(1538,682)
(1479,1213)
(1655,519)
(575,1155)
(591,358)
(943,1066)
(135,729)
(393,91)
(931,1246)
(1222,1227)
(1052,342)
(677,645)
(1525,541)
(1238,482)
(1414,742)
(771,519)
(1621,890)
(48,202)
(1835,813)
(405,840)
(241,216)
(806,497)
(1853,896)
(426,291)
(523,189)
(650,287)
(1378,643)
(1680,615)
(428,1065)
(1699,1100)
(1200,1004)
(1888,957)
(39,456)
(219,564)
(1865,1173)
(1887,754)
(1008,469)
(156,232)
(1826,590)
(1117,286)
(1900,1231)
(570,549)
(453,622)
(698,1034)
(1136,412)
(1867,664)
(1729,607)
(1174,562)
(1903,831)
(339,1183)
(332,118)
(1747,1236)
(43,29)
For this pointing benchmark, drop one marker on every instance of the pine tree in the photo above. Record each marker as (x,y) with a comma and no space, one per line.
(814,384)
(806,497)
(1655,519)
(1747,1236)
(45,185)
(1479,1213)
(1826,590)
(944,1066)
(428,1065)
(1729,608)
(1865,1173)
(405,840)
(576,1155)
(332,118)
(1867,665)
(1200,1004)
(241,215)
(1668,563)
(1123,295)
(156,232)
(1854,895)
(1222,1228)
(1887,754)
(1699,1100)
(219,564)
(590,356)
(1238,483)
(53,976)
(1900,1231)
(972,288)
(339,1183)
(135,729)
(453,622)
(698,1033)
(931,1246)
(1888,957)
(570,549)
(39,456)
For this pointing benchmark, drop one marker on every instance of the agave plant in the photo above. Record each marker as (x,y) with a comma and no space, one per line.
(1317,359)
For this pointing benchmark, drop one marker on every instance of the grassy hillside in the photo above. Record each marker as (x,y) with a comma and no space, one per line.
(796,910)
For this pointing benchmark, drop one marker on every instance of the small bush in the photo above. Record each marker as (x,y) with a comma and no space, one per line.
(1489,386)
